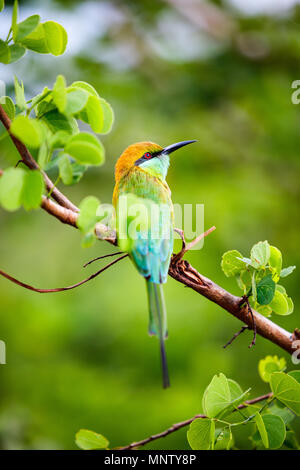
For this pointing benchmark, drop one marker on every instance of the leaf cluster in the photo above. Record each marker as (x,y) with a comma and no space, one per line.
(267,426)
(48,124)
(232,423)
(48,37)
(258,276)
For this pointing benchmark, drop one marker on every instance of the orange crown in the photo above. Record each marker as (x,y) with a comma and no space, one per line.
(131,155)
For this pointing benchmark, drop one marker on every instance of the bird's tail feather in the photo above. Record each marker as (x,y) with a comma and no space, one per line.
(158,323)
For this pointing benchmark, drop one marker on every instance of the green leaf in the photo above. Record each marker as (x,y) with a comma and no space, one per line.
(59,139)
(224,439)
(20,96)
(1,5)
(275,259)
(295,374)
(287,390)
(29,131)
(59,93)
(8,106)
(264,310)
(246,261)
(216,396)
(65,169)
(45,96)
(241,435)
(86,149)
(290,305)
(94,113)
(89,440)
(275,429)
(287,271)
(76,100)
(281,289)
(36,41)
(88,240)
(4,52)
(14,19)
(260,254)
(222,396)
(11,186)
(33,189)
(99,114)
(26,27)
(270,364)
(201,434)
(43,106)
(265,290)
(85,86)
(280,304)
(231,264)
(291,441)
(57,121)
(108,117)
(56,37)
(285,413)
(16,52)
(253,287)
(43,155)
(87,218)
(78,172)
(262,430)
(237,397)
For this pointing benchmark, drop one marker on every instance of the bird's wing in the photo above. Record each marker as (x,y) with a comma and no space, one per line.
(152,249)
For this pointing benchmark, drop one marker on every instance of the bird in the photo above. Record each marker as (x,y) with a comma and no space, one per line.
(140,181)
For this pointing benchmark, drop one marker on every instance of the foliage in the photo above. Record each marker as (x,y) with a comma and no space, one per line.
(48,123)
(268,426)
(89,440)
(45,38)
(258,277)
(270,364)
(244,168)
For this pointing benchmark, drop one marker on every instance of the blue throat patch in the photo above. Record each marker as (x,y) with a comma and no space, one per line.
(157,166)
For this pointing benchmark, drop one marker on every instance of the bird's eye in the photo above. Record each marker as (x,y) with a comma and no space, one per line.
(147,155)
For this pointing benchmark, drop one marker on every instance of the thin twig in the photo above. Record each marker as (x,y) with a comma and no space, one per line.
(188,246)
(246,299)
(244,327)
(177,426)
(60,289)
(102,257)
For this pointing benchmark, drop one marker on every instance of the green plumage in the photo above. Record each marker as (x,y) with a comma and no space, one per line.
(151,251)
(152,248)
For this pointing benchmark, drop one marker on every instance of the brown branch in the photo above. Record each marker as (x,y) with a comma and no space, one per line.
(183,272)
(177,426)
(69,217)
(179,269)
(66,216)
(30,162)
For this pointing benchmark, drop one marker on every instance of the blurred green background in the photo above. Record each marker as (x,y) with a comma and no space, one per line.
(219,72)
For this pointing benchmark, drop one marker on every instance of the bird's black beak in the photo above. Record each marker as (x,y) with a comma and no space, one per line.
(173,147)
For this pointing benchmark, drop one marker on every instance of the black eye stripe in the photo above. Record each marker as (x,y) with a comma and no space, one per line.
(147,156)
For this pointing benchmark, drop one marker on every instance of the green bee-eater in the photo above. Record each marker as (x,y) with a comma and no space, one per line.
(140,175)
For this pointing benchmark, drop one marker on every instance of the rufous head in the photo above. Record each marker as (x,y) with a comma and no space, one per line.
(148,156)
